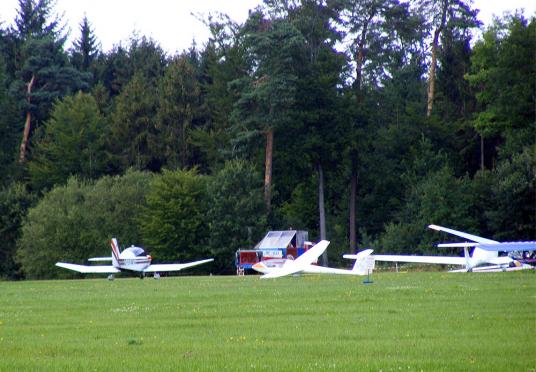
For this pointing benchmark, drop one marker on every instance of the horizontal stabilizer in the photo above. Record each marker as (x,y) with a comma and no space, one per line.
(88,269)
(109,258)
(160,268)
(457,245)
(359,255)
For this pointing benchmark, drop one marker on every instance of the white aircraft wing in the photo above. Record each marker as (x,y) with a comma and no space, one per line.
(315,269)
(299,264)
(89,269)
(288,269)
(458,245)
(312,254)
(445,260)
(461,234)
(510,246)
(101,259)
(173,267)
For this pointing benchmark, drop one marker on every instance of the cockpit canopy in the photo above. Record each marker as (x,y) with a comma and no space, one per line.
(133,252)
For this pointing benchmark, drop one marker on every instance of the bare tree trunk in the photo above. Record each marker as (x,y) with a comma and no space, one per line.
(360,55)
(435,42)
(268,168)
(322,211)
(352,207)
(481,152)
(27,124)
(183,145)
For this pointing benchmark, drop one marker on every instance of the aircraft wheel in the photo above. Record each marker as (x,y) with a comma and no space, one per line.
(111,277)
(156,276)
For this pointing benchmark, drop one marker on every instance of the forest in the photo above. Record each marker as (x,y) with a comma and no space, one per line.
(360,121)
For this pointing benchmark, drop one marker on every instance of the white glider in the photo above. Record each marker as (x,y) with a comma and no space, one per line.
(131,259)
(486,252)
(304,264)
(485,244)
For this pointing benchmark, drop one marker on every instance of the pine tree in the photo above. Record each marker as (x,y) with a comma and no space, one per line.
(86,47)
(43,72)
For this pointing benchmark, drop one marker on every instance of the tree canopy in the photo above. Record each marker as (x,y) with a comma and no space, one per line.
(361,121)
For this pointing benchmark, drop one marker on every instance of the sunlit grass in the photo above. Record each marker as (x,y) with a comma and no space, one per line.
(415,321)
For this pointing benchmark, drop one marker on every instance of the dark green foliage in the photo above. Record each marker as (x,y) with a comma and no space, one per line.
(33,19)
(267,95)
(86,47)
(433,195)
(73,143)
(174,222)
(40,56)
(235,214)
(112,70)
(514,196)
(9,133)
(134,132)
(45,60)
(14,203)
(74,222)
(178,113)
(503,74)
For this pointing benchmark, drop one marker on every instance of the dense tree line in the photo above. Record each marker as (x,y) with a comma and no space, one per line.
(361,121)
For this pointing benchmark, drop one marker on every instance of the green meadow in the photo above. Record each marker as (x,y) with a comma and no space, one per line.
(403,321)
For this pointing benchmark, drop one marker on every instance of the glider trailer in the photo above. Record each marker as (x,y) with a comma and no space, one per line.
(274,248)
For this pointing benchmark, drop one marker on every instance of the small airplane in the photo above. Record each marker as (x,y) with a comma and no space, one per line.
(131,259)
(304,264)
(486,251)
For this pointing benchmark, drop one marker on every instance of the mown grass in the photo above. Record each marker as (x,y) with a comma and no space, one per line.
(404,321)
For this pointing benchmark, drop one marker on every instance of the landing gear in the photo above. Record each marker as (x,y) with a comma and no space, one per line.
(142,275)
(156,276)
(111,277)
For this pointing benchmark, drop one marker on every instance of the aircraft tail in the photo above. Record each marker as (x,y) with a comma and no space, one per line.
(364,262)
(115,252)
(468,266)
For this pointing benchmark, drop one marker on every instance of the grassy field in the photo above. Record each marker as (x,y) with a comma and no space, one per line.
(404,321)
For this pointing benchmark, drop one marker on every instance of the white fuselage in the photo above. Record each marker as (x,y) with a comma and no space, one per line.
(270,266)
(133,259)
(482,257)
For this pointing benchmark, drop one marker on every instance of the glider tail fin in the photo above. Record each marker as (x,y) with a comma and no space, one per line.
(468,265)
(362,265)
(115,252)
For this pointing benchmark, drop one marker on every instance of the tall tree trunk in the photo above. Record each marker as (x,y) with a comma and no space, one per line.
(268,168)
(481,152)
(352,207)
(360,55)
(435,42)
(27,124)
(322,211)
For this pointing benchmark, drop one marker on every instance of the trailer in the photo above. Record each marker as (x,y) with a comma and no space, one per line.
(276,245)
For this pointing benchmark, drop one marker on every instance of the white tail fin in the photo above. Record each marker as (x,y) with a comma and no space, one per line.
(115,252)
(364,263)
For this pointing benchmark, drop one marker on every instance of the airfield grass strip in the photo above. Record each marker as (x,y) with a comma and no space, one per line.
(403,321)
